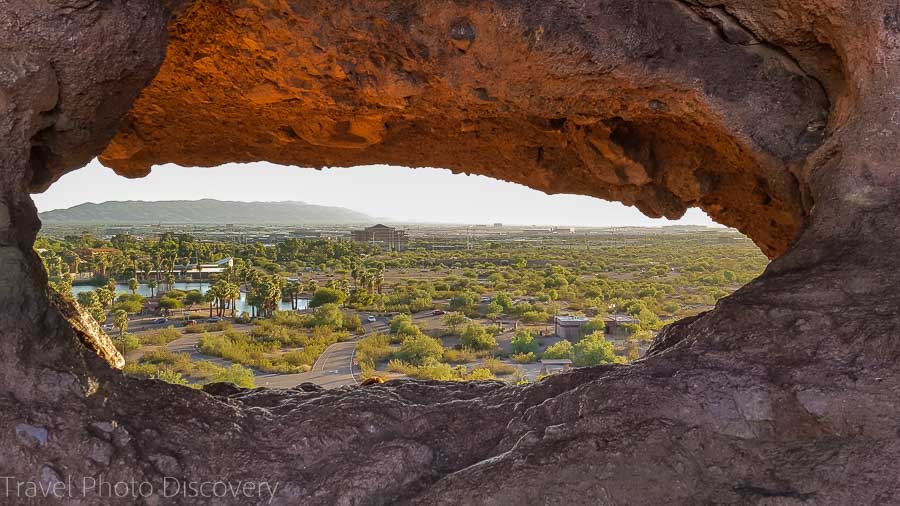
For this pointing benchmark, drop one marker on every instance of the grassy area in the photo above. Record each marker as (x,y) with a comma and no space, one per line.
(283,345)
(159,337)
(179,369)
(200,328)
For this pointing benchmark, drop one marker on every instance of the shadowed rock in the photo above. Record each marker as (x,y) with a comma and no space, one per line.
(776,117)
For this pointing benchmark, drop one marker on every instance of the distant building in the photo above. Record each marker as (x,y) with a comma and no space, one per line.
(570,327)
(388,237)
(615,325)
(217,267)
(87,253)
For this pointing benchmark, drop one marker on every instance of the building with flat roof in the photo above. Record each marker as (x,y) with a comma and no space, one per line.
(570,327)
(615,325)
(387,237)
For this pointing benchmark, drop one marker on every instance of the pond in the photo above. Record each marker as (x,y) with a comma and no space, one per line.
(144,290)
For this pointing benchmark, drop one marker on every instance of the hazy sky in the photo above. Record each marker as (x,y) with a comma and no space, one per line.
(402,194)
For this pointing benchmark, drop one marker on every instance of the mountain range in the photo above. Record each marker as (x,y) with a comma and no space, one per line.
(203,212)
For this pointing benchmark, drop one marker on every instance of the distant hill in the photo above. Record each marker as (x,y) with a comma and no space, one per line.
(206,212)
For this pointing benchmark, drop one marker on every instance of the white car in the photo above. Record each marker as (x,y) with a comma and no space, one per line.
(371,319)
(108,326)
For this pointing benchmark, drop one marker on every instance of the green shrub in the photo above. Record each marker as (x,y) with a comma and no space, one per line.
(480,374)
(477,337)
(139,370)
(524,358)
(240,376)
(178,361)
(403,325)
(373,349)
(324,296)
(219,326)
(560,350)
(328,315)
(497,367)
(524,343)
(160,337)
(128,342)
(129,306)
(535,317)
(461,356)
(594,349)
(399,366)
(170,376)
(417,350)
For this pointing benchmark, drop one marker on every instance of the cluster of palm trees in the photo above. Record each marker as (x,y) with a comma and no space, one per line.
(371,280)
(264,291)
(294,290)
(223,294)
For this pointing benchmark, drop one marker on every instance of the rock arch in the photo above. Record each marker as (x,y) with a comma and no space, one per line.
(776,117)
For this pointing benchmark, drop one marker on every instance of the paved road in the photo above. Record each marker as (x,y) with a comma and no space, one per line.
(333,369)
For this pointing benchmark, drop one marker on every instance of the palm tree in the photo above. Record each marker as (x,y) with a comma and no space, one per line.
(157,263)
(210,297)
(354,273)
(170,280)
(291,288)
(379,278)
(232,293)
(120,320)
(133,285)
(152,284)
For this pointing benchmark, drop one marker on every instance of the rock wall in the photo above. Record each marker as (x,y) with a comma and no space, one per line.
(660,104)
(777,117)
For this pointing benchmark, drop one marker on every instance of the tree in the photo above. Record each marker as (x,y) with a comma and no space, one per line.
(104,296)
(403,325)
(170,281)
(91,303)
(594,349)
(535,317)
(328,315)
(120,321)
(327,296)
(595,325)
(129,303)
(476,337)
(504,300)
(419,349)
(560,350)
(454,321)
(524,342)
(493,311)
(193,297)
(152,284)
(167,304)
(133,285)
(87,299)
(232,292)
(465,302)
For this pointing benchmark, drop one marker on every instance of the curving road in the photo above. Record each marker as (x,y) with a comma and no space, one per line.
(333,369)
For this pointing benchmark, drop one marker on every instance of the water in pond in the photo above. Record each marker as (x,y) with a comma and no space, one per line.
(144,290)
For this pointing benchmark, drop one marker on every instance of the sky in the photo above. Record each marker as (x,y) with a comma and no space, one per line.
(384,192)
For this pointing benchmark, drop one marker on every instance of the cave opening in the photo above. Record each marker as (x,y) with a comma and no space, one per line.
(173,267)
(777,121)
